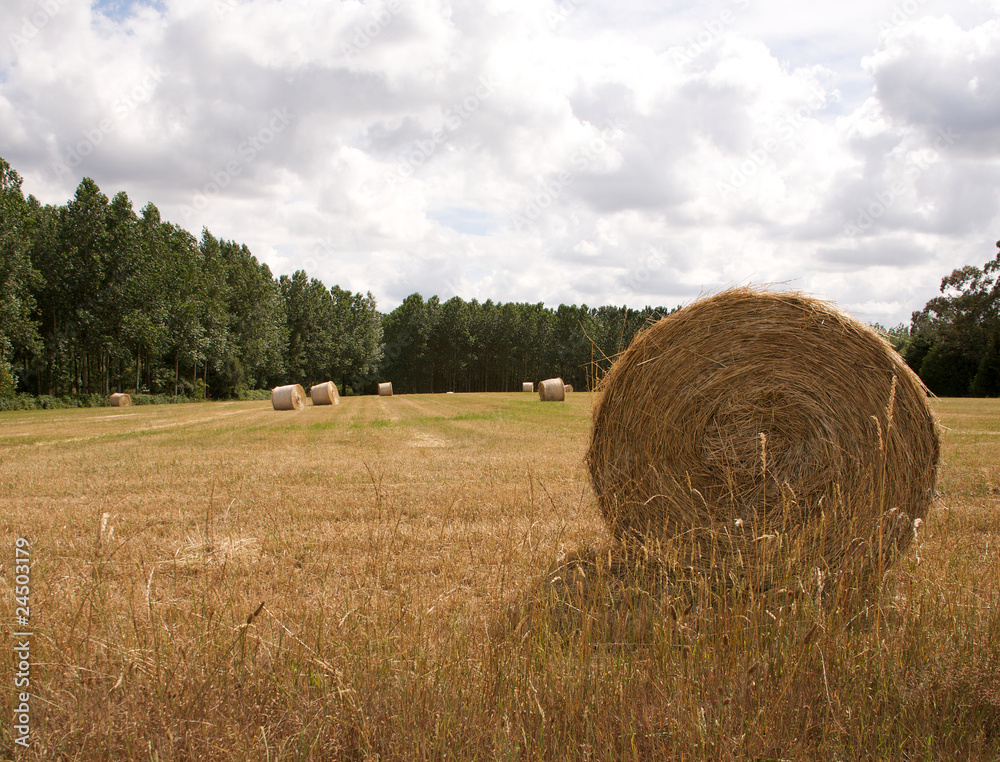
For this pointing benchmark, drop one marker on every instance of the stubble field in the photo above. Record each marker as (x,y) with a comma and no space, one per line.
(427,577)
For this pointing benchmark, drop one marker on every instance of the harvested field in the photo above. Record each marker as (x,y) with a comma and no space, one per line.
(446,592)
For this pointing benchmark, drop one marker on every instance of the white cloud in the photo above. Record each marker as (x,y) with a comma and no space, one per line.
(567,151)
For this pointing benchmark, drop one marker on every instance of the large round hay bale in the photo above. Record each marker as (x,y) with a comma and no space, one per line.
(568,388)
(528,386)
(324,394)
(552,390)
(385,389)
(289,397)
(754,430)
(118,399)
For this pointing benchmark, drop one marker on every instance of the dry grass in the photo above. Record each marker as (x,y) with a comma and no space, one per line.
(445,594)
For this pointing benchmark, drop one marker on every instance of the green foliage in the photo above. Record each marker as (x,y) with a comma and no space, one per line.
(135,302)
(19,402)
(6,381)
(946,371)
(986,382)
(953,341)
(18,332)
(470,346)
(254,394)
(898,336)
(50,402)
(160,399)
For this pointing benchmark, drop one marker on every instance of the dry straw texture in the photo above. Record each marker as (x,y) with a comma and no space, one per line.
(324,394)
(120,400)
(528,386)
(385,389)
(290,397)
(552,390)
(569,388)
(754,431)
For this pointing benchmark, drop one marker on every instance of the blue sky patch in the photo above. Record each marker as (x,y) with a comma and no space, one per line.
(467,221)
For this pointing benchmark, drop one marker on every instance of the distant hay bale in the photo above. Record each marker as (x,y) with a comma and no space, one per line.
(552,390)
(528,386)
(324,394)
(385,389)
(120,400)
(568,389)
(290,397)
(754,431)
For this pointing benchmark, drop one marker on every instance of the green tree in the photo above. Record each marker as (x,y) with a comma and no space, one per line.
(18,331)
(146,322)
(450,346)
(312,353)
(952,338)
(259,330)
(185,332)
(120,298)
(215,317)
(359,336)
(572,347)
(407,333)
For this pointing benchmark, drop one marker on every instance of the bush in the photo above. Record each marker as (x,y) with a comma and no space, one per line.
(20,402)
(253,394)
(161,399)
(49,402)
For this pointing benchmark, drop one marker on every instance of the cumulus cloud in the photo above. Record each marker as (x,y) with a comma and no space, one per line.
(936,76)
(555,150)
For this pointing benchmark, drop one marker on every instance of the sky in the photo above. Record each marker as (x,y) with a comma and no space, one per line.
(560,151)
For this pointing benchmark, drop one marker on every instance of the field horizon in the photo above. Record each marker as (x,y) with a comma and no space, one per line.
(428,577)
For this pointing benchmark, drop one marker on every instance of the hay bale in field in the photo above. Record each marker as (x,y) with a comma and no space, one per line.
(528,386)
(385,389)
(761,431)
(324,394)
(289,397)
(552,390)
(568,389)
(120,400)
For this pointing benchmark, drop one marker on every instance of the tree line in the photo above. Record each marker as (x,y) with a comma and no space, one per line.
(96,298)
(470,346)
